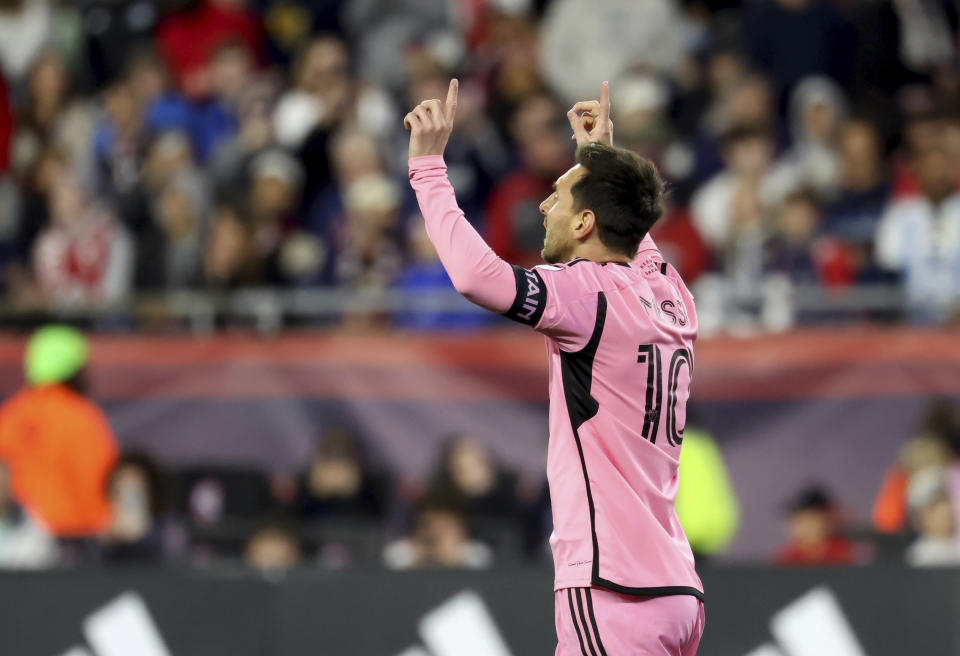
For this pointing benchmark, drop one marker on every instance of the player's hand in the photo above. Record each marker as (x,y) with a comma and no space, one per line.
(430,124)
(590,119)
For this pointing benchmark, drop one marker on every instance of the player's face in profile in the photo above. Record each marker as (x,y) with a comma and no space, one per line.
(559,212)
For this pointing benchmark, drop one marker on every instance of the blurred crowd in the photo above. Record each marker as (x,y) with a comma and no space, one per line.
(916,514)
(157,145)
(70,497)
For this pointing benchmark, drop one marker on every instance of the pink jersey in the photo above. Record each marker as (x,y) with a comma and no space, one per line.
(620,347)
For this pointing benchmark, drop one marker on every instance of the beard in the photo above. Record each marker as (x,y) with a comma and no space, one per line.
(557,246)
(550,253)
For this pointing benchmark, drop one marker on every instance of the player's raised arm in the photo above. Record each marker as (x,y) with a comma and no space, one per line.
(476,271)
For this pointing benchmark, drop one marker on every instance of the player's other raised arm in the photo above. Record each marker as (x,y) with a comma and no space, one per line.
(475,270)
(591,121)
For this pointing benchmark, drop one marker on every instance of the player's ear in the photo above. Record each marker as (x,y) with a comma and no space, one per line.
(584,223)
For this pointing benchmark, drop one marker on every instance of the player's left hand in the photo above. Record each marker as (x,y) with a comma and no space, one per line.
(590,119)
(430,124)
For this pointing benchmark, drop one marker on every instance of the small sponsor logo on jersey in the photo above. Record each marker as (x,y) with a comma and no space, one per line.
(531,298)
(531,303)
(579,563)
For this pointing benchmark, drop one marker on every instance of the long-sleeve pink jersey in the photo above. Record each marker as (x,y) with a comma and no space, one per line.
(620,347)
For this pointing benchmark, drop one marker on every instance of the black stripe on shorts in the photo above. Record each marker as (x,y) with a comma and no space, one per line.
(583,620)
(593,621)
(573,616)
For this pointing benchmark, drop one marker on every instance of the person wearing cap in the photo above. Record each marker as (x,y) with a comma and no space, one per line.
(814,535)
(57,443)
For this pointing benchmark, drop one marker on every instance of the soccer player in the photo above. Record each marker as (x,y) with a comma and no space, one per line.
(619,326)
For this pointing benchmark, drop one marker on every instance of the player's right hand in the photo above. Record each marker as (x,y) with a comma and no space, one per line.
(590,119)
(430,124)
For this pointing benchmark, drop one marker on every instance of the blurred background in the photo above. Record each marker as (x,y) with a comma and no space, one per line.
(239,386)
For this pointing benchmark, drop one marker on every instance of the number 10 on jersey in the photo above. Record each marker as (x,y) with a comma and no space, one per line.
(650,355)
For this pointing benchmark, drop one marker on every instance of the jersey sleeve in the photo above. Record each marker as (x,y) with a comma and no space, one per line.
(475,270)
(540,297)
(553,300)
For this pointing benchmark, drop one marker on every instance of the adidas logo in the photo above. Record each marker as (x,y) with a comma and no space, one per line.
(121,628)
(461,626)
(813,625)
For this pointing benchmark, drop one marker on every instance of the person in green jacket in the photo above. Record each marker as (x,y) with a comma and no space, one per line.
(706,503)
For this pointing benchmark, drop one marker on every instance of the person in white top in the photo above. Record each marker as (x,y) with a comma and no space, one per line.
(919,237)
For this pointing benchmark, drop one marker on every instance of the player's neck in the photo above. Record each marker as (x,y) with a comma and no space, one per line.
(595,251)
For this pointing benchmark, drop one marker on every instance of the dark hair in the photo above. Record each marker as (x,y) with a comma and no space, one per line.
(623,190)
(743,132)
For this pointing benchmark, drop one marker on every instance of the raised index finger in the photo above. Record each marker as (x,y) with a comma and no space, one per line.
(604,101)
(450,107)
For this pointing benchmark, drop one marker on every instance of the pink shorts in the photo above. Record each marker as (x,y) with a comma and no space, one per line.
(598,622)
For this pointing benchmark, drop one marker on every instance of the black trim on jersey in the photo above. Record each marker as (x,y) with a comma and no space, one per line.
(573,618)
(531,298)
(576,371)
(661,591)
(593,622)
(663,268)
(577,260)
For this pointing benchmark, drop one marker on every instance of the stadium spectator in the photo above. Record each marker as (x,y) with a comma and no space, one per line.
(25,27)
(917,237)
(440,538)
(748,154)
(320,102)
(468,475)
(228,256)
(167,213)
(119,142)
(928,448)
(864,188)
(367,245)
(163,108)
(817,111)
(353,155)
(189,38)
(137,499)
(24,543)
(791,249)
(57,443)
(814,537)
(341,482)
(703,475)
(275,180)
(84,256)
(216,118)
(273,547)
(932,514)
